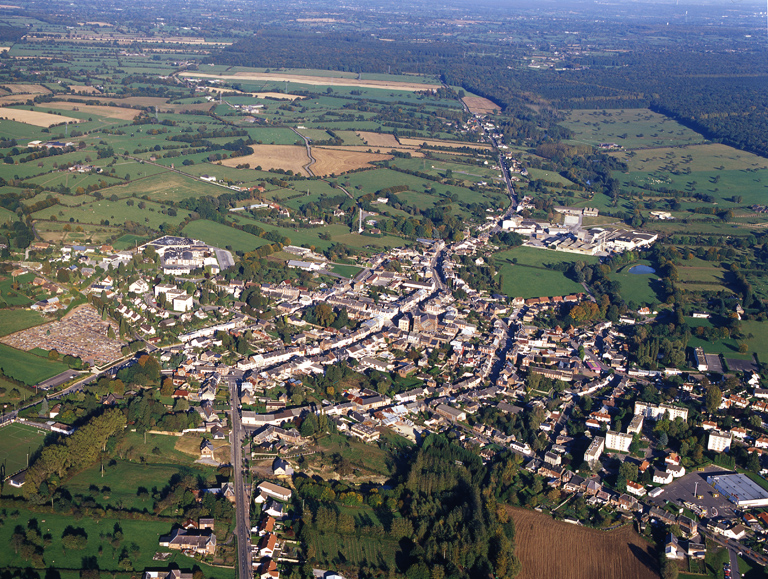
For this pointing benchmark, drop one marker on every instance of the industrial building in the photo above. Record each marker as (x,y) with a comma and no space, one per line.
(740,490)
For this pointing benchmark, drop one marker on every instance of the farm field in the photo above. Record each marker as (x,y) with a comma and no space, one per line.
(286,157)
(629,128)
(410,142)
(312,80)
(153,214)
(18,441)
(27,367)
(480,105)
(378,139)
(122,114)
(35,118)
(330,161)
(578,552)
(220,235)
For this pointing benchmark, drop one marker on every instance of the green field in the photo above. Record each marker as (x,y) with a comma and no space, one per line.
(123,480)
(630,128)
(220,235)
(18,441)
(637,288)
(528,278)
(363,456)
(346,270)
(27,367)
(12,297)
(355,550)
(15,320)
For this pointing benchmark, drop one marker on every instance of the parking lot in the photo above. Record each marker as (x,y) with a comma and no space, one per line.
(682,490)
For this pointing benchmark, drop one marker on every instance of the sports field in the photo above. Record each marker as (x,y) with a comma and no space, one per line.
(18,440)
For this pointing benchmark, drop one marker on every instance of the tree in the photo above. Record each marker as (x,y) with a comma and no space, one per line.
(663,440)
(669,570)
(713,398)
(44,408)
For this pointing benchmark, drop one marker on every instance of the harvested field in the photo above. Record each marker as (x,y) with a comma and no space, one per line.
(480,105)
(549,548)
(14,99)
(35,118)
(26,88)
(378,139)
(382,150)
(313,80)
(286,157)
(80,333)
(111,112)
(336,161)
(438,143)
(83,89)
(259,95)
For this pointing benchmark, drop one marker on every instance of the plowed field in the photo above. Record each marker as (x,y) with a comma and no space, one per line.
(549,548)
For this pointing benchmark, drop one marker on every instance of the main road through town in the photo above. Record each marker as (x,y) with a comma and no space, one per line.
(242,498)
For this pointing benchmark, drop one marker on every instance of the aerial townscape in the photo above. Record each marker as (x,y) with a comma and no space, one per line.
(378,290)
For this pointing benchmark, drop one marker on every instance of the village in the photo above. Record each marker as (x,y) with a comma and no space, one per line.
(479,368)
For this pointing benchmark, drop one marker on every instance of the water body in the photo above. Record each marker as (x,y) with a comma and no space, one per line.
(641,270)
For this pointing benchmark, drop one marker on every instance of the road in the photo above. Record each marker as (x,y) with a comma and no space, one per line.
(242,498)
(309,153)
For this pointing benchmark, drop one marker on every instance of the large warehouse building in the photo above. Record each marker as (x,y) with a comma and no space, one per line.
(740,490)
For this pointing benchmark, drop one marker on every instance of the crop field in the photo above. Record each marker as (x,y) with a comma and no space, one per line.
(442,143)
(287,157)
(273,136)
(331,161)
(577,552)
(629,128)
(312,80)
(378,139)
(100,111)
(26,88)
(220,235)
(35,118)
(480,105)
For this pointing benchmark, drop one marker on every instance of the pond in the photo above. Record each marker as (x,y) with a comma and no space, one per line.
(641,270)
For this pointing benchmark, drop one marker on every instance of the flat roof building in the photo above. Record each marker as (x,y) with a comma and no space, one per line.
(740,490)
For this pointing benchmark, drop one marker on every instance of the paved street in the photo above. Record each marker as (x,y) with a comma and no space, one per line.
(242,498)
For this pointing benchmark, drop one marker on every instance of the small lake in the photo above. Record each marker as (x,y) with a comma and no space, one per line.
(641,270)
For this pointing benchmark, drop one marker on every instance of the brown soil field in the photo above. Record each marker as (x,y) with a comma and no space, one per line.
(101,111)
(338,161)
(549,548)
(259,95)
(439,143)
(35,118)
(314,80)
(481,105)
(286,157)
(378,139)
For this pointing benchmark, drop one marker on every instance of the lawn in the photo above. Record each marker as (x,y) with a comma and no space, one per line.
(26,367)
(15,320)
(346,270)
(363,456)
(19,441)
(140,540)
(220,235)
